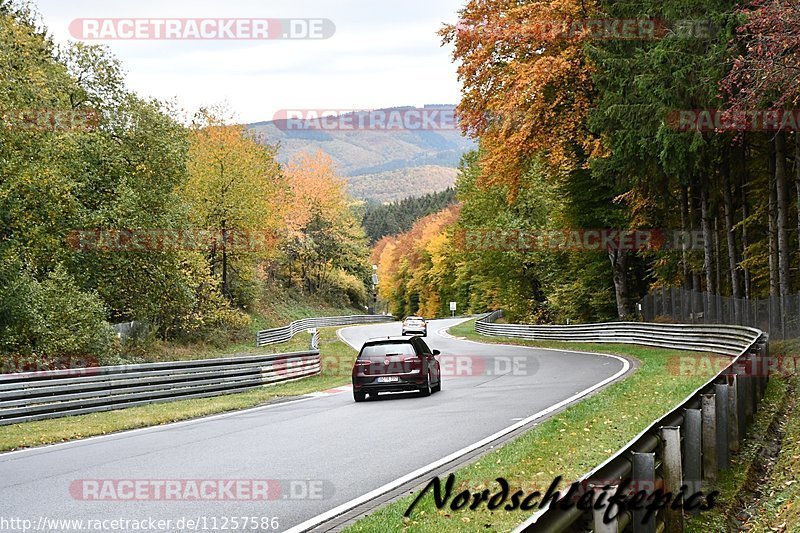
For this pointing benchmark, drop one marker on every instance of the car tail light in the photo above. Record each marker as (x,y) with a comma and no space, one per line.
(412,361)
(363,363)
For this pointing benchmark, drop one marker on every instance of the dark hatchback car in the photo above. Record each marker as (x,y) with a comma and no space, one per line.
(396,364)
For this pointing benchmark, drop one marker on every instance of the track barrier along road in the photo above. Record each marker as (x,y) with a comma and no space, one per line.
(682,452)
(284,333)
(29,396)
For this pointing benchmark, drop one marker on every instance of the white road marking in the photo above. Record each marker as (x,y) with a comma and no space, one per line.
(126,432)
(343,508)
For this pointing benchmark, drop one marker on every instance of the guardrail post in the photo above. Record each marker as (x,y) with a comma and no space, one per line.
(757,361)
(749,389)
(740,400)
(314,342)
(693,457)
(673,475)
(708,404)
(721,408)
(599,525)
(733,412)
(764,365)
(643,472)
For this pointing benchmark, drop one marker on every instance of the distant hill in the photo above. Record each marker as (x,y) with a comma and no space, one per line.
(393,185)
(380,220)
(378,165)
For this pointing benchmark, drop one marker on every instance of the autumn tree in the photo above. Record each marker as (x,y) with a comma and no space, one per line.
(324,243)
(414,267)
(526,84)
(234,190)
(765,74)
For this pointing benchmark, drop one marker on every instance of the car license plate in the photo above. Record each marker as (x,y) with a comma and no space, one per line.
(388,379)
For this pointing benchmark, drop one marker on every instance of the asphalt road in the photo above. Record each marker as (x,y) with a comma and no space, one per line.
(326,444)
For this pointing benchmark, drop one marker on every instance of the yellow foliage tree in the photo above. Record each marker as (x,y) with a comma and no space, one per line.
(235,191)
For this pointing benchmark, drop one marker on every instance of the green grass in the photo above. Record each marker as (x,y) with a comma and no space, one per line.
(275,309)
(568,444)
(778,508)
(337,360)
(279,307)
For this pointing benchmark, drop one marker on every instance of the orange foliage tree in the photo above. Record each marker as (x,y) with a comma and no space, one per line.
(325,244)
(526,84)
(412,266)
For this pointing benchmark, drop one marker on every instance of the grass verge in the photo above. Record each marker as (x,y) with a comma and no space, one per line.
(275,309)
(761,489)
(568,444)
(336,360)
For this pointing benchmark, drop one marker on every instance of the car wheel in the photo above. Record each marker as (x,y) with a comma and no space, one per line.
(359,396)
(426,389)
(438,386)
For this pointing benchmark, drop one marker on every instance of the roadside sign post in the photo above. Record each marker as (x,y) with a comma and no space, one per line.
(374,308)
(452,309)
(314,343)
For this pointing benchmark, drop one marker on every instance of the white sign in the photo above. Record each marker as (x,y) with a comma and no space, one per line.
(452,306)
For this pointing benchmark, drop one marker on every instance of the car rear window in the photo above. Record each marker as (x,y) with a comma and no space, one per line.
(388,348)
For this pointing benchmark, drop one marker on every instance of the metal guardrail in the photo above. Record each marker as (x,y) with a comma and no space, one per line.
(285,333)
(776,315)
(727,340)
(687,446)
(29,396)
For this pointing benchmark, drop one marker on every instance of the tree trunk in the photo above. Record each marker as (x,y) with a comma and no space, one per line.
(687,281)
(717,269)
(773,248)
(694,218)
(289,257)
(797,181)
(730,237)
(782,221)
(619,267)
(225,261)
(212,258)
(743,184)
(708,249)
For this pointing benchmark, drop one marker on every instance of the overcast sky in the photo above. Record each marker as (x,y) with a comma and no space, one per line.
(384,53)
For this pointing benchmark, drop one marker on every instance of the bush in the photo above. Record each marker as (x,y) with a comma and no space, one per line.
(204,315)
(346,289)
(52,323)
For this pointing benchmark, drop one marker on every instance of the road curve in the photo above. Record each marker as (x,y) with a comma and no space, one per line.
(350,449)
